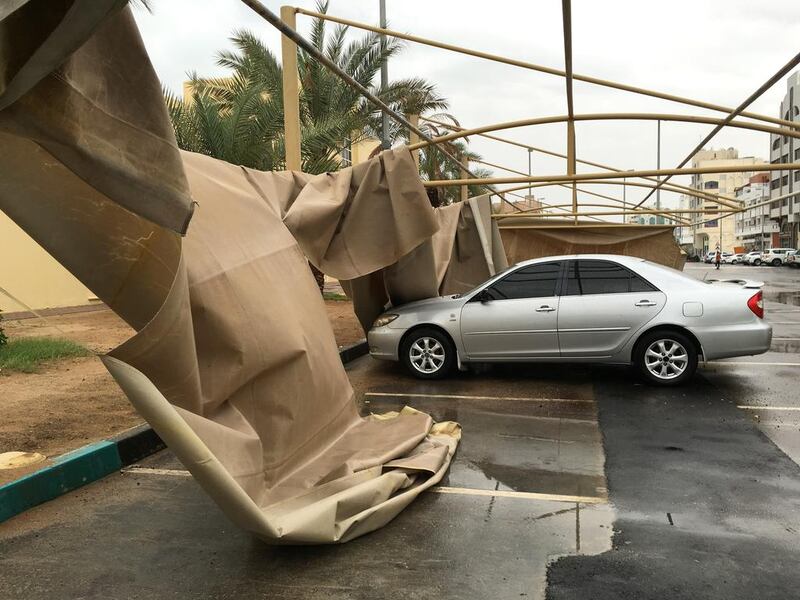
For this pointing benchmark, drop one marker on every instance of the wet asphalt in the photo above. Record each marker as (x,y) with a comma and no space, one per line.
(570,482)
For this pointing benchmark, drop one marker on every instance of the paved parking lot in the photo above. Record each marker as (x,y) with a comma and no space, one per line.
(576,476)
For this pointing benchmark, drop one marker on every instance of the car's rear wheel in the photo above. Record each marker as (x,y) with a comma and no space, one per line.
(428,353)
(666,358)
(776,262)
(757,262)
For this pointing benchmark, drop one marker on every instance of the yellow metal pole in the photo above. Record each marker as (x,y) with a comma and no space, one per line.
(543,69)
(413,138)
(291,93)
(566,14)
(689,192)
(794,133)
(582,177)
(464,169)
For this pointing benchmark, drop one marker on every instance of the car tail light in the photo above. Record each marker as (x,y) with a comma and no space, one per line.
(756,304)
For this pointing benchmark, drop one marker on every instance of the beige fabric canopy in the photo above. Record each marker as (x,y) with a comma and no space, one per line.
(464,251)
(234,363)
(523,240)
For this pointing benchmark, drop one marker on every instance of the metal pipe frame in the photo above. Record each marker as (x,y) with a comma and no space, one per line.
(680,188)
(560,206)
(549,70)
(598,177)
(607,117)
(696,193)
(566,16)
(732,115)
(288,32)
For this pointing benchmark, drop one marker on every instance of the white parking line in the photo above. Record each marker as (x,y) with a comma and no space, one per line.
(751,407)
(783,339)
(148,471)
(436,489)
(750,364)
(457,397)
(522,495)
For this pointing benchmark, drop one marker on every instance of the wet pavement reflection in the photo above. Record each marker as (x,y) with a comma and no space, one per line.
(528,430)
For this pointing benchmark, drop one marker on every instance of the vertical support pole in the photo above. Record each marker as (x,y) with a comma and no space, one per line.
(624,198)
(291,93)
(413,138)
(530,174)
(658,163)
(384,81)
(571,164)
(464,174)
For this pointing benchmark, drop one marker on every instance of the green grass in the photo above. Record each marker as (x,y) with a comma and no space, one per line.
(336,297)
(26,354)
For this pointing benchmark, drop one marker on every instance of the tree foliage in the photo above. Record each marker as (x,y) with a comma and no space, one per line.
(239,118)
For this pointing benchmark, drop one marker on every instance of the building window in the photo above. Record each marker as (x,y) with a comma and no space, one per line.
(797,154)
(775,184)
(776,143)
(711,185)
(785,158)
(797,175)
(785,180)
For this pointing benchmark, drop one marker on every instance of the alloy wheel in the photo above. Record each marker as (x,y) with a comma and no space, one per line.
(666,359)
(426,355)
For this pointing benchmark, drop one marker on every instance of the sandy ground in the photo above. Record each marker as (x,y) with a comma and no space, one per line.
(73,402)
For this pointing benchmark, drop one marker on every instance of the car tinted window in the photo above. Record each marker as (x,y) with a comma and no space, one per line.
(535,281)
(641,285)
(603,277)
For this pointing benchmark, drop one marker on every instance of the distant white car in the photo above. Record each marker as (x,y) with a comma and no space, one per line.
(752,258)
(792,259)
(775,256)
(732,259)
(711,256)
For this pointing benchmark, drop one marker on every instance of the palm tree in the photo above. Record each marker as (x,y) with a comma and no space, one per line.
(240,118)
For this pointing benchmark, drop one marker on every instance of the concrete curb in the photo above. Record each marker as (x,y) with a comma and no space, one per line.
(94,461)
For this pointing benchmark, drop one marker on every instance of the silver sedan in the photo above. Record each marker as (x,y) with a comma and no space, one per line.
(584,308)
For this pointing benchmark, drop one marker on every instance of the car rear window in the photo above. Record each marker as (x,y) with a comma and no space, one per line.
(586,277)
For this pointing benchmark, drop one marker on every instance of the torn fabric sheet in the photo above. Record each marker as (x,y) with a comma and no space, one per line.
(465,251)
(234,363)
(101,111)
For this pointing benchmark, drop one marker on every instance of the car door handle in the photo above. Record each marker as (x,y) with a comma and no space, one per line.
(645,303)
(545,308)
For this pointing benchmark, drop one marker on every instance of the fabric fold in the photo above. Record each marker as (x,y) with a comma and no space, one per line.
(234,363)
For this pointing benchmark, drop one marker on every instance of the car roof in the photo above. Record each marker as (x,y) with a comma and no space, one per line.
(620,258)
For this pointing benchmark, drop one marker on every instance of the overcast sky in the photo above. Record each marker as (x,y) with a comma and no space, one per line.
(714,50)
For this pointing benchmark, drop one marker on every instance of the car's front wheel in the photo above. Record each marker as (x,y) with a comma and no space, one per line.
(776,262)
(666,358)
(428,353)
(757,262)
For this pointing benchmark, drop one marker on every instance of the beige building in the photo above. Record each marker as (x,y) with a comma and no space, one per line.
(32,276)
(719,232)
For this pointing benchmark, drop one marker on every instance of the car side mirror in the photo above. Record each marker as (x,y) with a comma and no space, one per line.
(484,296)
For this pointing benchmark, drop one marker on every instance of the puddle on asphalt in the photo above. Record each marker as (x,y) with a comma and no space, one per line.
(790,298)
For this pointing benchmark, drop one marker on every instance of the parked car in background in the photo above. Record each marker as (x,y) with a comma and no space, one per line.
(711,256)
(732,259)
(752,258)
(775,256)
(792,259)
(586,308)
